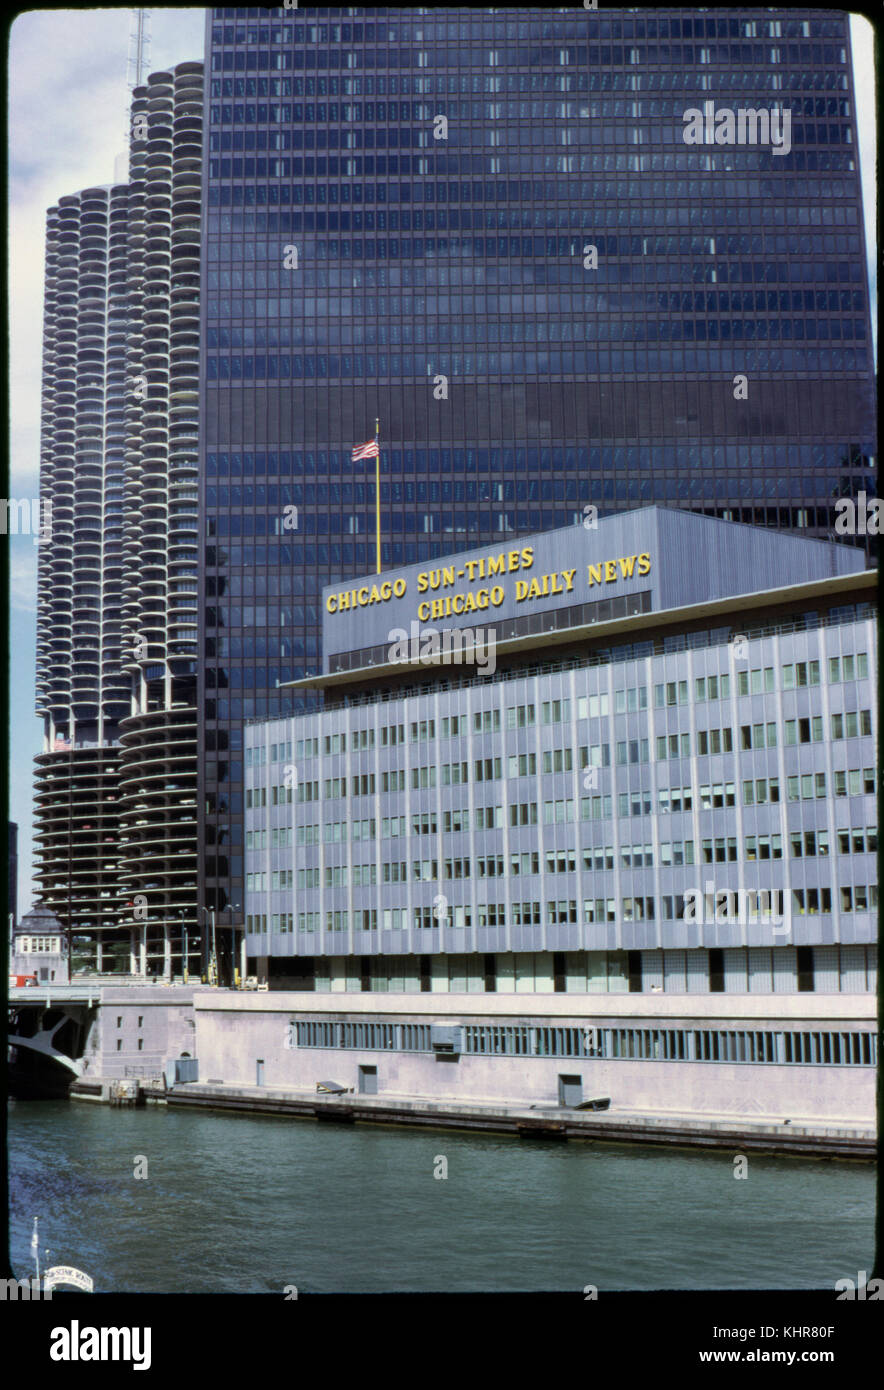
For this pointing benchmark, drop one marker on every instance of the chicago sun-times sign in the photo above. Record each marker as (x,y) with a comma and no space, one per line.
(538,573)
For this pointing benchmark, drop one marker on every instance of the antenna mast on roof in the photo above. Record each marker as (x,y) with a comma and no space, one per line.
(138,60)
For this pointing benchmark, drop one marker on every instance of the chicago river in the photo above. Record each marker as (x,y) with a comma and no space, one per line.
(251,1204)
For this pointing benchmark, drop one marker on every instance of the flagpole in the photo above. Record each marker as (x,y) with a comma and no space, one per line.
(377,495)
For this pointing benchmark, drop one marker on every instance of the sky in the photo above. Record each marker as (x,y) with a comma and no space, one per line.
(67,122)
(68,108)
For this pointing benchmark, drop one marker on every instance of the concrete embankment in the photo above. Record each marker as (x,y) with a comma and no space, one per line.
(758,1134)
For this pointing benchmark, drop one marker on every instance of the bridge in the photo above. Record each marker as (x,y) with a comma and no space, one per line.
(48,996)
(55,1034)
(48,1026)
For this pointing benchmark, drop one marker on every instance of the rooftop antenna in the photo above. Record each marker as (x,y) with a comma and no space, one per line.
(138,62)
(137,69)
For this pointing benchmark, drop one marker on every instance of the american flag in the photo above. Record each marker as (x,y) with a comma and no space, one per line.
(370,450)
(61,743)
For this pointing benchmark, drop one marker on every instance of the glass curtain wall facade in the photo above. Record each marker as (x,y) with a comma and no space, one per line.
(487,230)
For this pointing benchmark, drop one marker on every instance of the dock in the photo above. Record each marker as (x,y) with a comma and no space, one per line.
(841,1139)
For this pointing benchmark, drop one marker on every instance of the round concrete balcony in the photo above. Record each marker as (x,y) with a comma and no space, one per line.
(158,770)
(121,301)
(76,850)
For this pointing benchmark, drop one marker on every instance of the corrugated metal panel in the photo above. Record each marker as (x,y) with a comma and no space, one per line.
(853,970)
(785,970)
(698,972)
(674,972)
(826,974)
(760,970)
(736,976)
(694,559)
(566,547)
(715,559)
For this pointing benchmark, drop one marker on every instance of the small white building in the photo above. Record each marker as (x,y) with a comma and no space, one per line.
(39,948)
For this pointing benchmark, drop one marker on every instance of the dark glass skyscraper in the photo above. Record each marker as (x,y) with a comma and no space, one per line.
(488,229)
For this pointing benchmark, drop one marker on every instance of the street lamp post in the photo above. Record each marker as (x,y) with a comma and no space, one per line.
(234,907)
(213,966)
(184,944)
(242,962)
